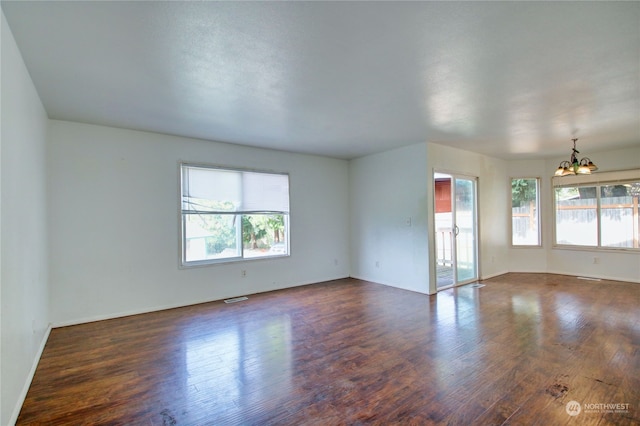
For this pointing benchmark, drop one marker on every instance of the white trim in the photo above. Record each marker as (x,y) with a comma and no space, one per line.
(476,224)
(104,317)
(182,305)
(530,271)
(596,249)
(602,277)
(538,213)
(390,284)
(497,274)
(596,178)
(32,372)
(565,273)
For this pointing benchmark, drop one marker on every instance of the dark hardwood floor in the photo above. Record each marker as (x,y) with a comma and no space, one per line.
(516,351)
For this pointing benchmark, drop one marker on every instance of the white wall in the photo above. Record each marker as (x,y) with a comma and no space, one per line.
(493,199)
(24,256)
(386,190)
(114,220)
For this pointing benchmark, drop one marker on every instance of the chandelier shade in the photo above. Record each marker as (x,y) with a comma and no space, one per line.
(584,166)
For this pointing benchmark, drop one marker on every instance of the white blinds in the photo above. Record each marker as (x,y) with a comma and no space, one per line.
(210,190)
(265,192)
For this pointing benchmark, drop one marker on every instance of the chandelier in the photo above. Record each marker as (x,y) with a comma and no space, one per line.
(574,166)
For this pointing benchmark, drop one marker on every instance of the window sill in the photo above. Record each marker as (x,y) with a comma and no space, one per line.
(205,263)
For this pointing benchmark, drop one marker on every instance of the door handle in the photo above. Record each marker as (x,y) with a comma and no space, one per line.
(456,230)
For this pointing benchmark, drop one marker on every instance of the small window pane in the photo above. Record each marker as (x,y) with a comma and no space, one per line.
(577,216)
(617,210)
(210,236)
(524,212)
(264,235)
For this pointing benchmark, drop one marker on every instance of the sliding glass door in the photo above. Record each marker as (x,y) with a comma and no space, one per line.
(456,229)
(465,230)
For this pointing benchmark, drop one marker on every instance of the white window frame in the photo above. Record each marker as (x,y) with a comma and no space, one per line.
(538,215)
(596,180)
(184,263)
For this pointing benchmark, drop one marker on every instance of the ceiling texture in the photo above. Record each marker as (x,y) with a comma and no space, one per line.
(513,80)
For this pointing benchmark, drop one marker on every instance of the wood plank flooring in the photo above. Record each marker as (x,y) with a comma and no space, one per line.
(515,351)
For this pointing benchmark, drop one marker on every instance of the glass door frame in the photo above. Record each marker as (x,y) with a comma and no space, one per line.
(454,176)
(470,249)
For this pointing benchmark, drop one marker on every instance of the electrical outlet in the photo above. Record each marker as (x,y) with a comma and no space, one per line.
(596,260)
(377,263)
(243,273)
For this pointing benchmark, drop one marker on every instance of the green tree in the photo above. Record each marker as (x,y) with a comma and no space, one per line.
(222,232)
(254,228)
(220,227)
(523,191)
(276,223)
(614,191)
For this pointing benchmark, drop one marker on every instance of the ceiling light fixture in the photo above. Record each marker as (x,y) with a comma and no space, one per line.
(574,166)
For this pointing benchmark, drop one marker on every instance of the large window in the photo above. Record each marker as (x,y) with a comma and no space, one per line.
(525,207)
(599,211)
(232,215)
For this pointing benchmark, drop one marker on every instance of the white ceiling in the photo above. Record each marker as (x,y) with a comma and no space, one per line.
(344,79)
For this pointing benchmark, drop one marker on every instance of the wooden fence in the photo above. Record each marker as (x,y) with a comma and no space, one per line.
(524,224)
(619,215)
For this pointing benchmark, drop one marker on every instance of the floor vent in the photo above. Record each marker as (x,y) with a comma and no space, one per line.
(235,299)
(476,285)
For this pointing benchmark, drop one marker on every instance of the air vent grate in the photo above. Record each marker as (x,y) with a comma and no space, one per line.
(235,299)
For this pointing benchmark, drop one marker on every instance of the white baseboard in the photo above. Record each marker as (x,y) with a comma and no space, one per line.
(602,277)
(32,372)
(104,317)
(388,284)
(497,274)
(178,305)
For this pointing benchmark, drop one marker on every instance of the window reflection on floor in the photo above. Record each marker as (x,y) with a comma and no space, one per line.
(457,333)
(240,364)
(527,319)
